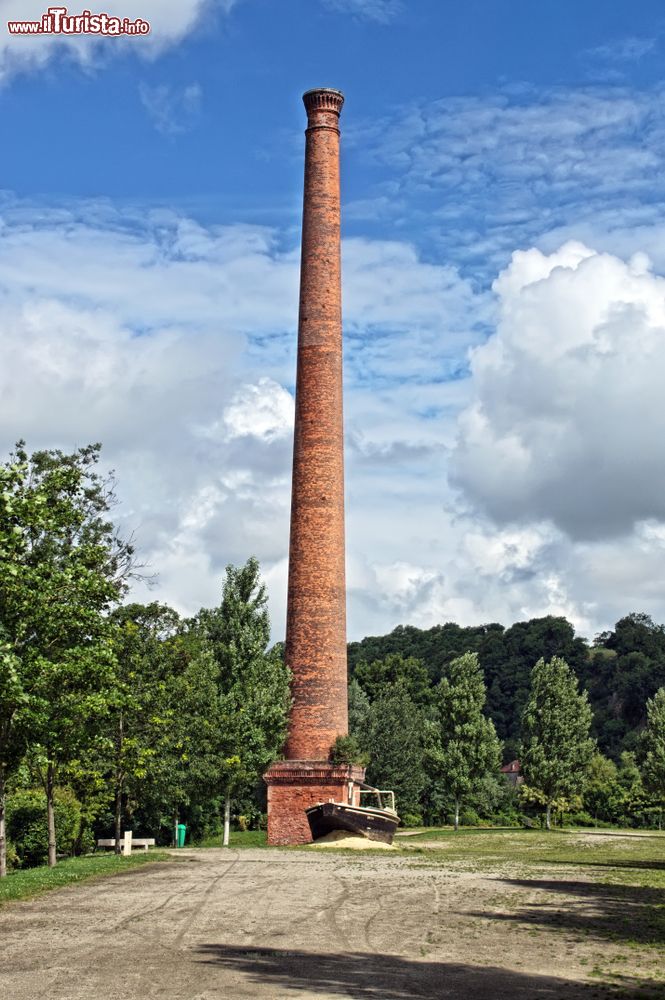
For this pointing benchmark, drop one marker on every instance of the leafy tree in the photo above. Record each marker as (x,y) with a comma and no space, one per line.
(252,683)
(62,568)
(358,708)
(653,746)
(183,775)
(394,669)
(12,735)
(467,746)
(602,793)
(556,746)
(137,701)
(393,740)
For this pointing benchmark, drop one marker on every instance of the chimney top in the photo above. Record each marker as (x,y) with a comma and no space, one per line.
(323,99)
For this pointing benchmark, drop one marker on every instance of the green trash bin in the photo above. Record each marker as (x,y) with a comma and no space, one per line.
(182,830)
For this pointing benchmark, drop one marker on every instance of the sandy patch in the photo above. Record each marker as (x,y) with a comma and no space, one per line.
(353,841)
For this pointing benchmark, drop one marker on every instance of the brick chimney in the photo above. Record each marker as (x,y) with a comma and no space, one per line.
(316,607)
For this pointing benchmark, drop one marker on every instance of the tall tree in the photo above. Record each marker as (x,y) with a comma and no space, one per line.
(358,708)
(62,567)
(466,745)
(556,746)
(252,683)
(393,738)
(653,746)
(138,709)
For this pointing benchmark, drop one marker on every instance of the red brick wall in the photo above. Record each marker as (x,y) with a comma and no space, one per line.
(316,609)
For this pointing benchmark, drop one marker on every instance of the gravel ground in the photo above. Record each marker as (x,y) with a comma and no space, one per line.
(284,924)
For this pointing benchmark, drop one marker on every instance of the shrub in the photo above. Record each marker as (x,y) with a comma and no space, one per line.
(27,826)
(12,856)
(345,750)
(469,817)
(411,819)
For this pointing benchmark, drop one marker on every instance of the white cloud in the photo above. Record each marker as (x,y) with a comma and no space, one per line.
(482,174)
(172,110)
(170,21)
(263,411)
(629,49)
(381,11)
(567,421)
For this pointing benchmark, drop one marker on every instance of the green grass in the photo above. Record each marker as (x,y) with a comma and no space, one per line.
(248,838)
(618,850)
(33,881)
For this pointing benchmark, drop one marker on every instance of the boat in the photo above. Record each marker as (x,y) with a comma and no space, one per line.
(374,823)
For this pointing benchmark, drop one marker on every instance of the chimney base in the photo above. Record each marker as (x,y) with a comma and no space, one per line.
(295,785)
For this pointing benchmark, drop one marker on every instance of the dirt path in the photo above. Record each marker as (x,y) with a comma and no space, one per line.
(287,924)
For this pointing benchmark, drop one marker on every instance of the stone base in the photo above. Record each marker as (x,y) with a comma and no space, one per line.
(295,785)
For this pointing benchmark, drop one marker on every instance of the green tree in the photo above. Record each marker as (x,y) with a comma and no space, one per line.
(62,568)
(653,746)
(394,669)
(556,746)
(138,709)
(252,683)
(602,793)
(393,739)
(467,746)
(358,708)
(12,735)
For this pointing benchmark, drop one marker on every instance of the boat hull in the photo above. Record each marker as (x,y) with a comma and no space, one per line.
(375,824)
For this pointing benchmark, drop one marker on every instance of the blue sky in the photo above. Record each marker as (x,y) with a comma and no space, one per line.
(503,199)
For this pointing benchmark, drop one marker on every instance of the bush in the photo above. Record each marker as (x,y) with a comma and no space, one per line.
(12,856)
(27,825)
(411,819)
(345,750)
(469,817)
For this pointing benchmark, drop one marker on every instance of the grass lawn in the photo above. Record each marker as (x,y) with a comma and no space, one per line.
(33,881)
(250,838)
(619,854)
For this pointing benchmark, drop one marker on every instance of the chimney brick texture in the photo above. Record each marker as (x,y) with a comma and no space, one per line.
(316,607)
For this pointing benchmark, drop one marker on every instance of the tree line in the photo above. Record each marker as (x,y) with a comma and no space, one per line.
(117,714)
(437,747)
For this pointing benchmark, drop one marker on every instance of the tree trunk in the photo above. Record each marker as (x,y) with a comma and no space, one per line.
(50,813)
(3,837)
(456,815)
(117,825)
(118,788)
(227,819)
(548,813)
(175,828)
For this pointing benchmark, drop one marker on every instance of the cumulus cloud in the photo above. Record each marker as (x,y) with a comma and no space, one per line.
(170,21)
(263,411)
(567,421)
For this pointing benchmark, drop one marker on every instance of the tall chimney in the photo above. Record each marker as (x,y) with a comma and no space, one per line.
(316,607)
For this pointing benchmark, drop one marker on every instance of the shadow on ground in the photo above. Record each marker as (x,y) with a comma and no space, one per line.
(278,973)
(613,912)
(646,865)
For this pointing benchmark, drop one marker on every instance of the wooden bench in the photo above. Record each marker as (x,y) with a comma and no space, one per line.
(144,842)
